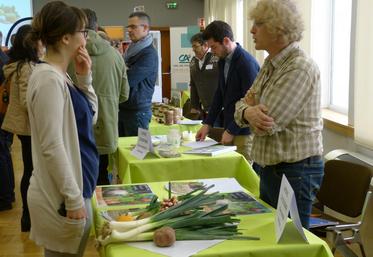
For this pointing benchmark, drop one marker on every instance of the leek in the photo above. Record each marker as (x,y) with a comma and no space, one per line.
(222,232)
(186,218)
(189,204)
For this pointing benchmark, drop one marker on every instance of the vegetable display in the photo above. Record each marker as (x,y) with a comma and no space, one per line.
(185,220)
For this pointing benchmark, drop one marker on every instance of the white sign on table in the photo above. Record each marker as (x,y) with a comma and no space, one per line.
(144,144)
(286,203)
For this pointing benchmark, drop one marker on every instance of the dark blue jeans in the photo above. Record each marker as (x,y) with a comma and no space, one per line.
(130,120)
(304,176)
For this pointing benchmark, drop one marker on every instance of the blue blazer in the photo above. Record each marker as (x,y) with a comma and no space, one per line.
(241,75)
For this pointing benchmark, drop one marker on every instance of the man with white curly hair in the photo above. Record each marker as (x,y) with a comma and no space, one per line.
(282,108)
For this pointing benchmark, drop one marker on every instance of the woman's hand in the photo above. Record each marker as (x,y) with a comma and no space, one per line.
(83,62)
(77,214)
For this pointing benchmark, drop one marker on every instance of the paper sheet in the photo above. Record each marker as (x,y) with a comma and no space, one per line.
(179,249)
(200,144)
(225,185)
(190,122)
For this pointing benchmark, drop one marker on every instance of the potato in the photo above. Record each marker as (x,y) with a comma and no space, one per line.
(164,237)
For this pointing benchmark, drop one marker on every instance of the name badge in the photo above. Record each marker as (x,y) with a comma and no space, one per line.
(209,67)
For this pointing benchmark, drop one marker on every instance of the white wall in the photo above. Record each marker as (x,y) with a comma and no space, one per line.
(333,140)
(305,8)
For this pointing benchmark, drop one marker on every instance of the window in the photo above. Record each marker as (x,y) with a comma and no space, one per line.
(331,48)
(239,22)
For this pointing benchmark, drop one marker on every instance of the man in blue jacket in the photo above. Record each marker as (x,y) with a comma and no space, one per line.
(141,59)
(237,71)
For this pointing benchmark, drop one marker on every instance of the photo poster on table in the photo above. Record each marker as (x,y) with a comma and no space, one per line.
(144,144)
(181,55)
(123,195)
(287,203)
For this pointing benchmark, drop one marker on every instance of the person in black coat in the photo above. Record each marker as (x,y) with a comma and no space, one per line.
(6,139)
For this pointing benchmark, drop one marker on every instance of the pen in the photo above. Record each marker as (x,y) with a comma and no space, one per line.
(169,189)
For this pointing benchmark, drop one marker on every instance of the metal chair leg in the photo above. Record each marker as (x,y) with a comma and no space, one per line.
(362,250)
(357,239)
(340,243)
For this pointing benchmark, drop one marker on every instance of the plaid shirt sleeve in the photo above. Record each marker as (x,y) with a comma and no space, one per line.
(290,94)
(238,114)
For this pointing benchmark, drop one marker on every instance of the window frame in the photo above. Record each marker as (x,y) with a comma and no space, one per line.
(327,66)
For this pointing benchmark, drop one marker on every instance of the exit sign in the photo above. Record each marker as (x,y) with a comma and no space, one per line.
(171,5)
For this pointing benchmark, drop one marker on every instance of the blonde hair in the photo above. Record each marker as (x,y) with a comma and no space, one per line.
(281,18)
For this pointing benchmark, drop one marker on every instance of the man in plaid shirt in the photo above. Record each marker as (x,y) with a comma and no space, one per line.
(282,108)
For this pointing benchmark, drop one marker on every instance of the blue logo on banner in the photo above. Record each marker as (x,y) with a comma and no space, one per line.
(184,58)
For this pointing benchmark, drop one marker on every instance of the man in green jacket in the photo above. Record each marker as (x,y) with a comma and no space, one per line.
(111,86)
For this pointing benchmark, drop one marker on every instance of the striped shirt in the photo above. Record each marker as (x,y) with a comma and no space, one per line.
(289,85)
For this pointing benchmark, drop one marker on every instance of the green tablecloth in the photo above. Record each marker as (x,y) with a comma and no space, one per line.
(154,169)
(156,128)
(261,225)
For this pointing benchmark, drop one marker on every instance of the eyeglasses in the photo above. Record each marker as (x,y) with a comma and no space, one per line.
(133,26)
(84,32)
(258,23)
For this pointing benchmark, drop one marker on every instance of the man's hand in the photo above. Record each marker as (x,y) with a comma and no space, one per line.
(202,133)
(226,138)
(250,98)
(258,118)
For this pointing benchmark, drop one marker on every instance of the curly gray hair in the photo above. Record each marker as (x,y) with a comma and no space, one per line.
(281,18)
